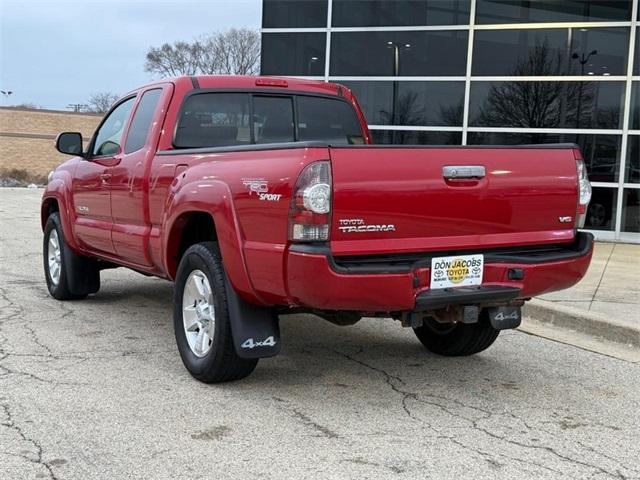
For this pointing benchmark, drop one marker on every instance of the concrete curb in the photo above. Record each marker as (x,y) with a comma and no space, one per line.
(588,323)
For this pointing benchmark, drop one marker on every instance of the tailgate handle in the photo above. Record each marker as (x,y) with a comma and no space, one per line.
(463,171)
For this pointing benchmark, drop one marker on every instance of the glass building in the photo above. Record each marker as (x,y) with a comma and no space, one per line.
(471,72)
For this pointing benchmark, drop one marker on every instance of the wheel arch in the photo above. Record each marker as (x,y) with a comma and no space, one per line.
(189,228)
(56,199)
(189,219)
(49,205)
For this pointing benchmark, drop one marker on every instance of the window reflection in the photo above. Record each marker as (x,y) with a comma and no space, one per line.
(631,210)
(636,68)
(601,214)
(634,119)
(601,152)
(368,13)
(399,53)
(573,51)
(294,13)
(547,104)
(632,169)
(410,103)
(293,54)
(526,11)
(413,137)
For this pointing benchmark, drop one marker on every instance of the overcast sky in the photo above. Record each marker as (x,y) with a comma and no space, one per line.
(57,52)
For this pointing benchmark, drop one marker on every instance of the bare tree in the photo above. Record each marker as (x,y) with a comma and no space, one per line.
(29,105)
(234,52)
(180,58)
(539,104)
(101,102)
(407,111)
(451,114)
(237,52)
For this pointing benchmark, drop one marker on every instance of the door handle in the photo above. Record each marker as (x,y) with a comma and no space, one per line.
(453,172)
(105,177)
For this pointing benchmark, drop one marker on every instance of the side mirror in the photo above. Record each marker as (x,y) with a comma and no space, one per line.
(69,143)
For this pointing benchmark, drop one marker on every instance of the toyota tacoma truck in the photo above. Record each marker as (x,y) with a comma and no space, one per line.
(262,196)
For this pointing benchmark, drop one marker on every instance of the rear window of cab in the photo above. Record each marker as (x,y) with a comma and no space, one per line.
(221,119)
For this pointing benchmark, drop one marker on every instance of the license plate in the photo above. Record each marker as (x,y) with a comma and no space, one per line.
(456,271)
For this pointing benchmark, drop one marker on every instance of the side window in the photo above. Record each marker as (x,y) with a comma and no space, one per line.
(214,120)
(327,120)
(109,135)
(273,119)
(141,122)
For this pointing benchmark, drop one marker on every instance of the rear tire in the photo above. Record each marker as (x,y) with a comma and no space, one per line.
(458,340)
(201,318)
(68,275)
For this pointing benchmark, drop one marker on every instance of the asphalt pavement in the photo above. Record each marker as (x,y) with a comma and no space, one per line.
(96,389)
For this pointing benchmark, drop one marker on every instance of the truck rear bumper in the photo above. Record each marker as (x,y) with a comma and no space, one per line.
(315,279)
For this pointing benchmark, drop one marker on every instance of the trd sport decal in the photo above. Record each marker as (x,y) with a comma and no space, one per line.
(260,187)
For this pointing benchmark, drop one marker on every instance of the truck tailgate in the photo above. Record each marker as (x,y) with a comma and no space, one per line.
(402,199)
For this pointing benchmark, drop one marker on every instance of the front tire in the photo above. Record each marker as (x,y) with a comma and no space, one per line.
(68,275)
(201,318)
(457,340)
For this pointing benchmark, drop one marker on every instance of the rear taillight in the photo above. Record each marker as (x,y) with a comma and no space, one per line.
(310,212)
(584,193)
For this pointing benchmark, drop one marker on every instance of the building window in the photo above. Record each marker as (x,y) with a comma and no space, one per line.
(573,51)
(527,11)
(413,137)
(547,104)
(601,214)
(411,103)
(294,13)
(631,210)
(293,54)
(632,169)
(634,114)
(399,53)
(374,13)
(601,152)
(407,63)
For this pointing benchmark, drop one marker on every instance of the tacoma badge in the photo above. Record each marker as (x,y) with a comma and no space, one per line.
(357,225)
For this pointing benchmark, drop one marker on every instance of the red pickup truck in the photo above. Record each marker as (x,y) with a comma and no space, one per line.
(263,196)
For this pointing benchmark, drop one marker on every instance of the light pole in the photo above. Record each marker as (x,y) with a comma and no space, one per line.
(396,47)
(583,60)
(6,93)
(312,60)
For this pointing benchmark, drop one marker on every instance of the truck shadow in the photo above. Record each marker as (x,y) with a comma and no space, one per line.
(375,346)
(372,352)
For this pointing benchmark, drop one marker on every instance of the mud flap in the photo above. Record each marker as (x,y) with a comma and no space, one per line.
(504,318)
(83,276)
(255,330)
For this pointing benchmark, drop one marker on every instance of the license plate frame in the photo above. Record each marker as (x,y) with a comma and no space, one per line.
(457,271)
